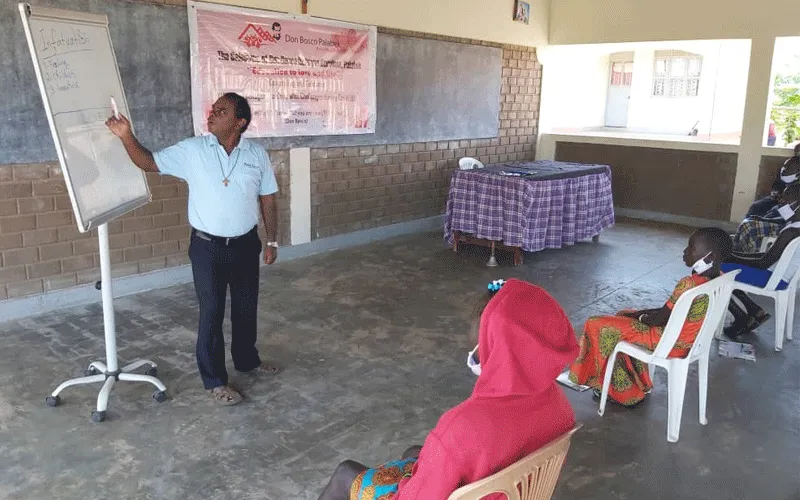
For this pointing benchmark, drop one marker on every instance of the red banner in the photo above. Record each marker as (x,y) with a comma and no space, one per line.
(302,76)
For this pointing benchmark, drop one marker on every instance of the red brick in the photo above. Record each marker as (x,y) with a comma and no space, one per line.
(149,237)
(335,152)
(24,288)
(8,207)
(177,205)
(17,223)
(40,237)
(11,190)
(54,219)
(137,224)
(60,282)
(167,220)
(77,263)
(138,253)
(166,248)
(125,240)
(12,274)
(49,187)
(55,251)
(175,233)
(31,172)
(152,208)
(35,205)
(43,269)
(71,233)
(163,192)
(20,256)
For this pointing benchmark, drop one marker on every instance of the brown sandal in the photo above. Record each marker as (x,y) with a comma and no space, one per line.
(226,395)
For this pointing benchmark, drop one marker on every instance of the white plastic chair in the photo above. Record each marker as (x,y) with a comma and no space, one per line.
(468,163)
(718,291)
(784,270)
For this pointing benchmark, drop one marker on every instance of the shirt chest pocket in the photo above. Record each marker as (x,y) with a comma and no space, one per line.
(251,175)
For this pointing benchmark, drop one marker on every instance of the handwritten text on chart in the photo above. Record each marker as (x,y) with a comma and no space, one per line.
(61,41)
(58,75)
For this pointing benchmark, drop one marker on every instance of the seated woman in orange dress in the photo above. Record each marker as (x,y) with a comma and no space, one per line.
(630,382)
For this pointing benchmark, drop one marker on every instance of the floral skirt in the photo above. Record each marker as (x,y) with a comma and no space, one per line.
(630,380)
(381,483)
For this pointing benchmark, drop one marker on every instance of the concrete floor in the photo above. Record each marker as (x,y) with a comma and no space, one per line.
(373,341)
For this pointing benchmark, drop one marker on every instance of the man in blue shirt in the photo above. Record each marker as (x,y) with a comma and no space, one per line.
(230,179)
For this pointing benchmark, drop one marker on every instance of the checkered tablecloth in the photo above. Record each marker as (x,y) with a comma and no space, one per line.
(528,213)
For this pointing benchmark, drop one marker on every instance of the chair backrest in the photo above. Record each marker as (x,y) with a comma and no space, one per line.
(532,478)
(718,292)
(787,266)
(468,163)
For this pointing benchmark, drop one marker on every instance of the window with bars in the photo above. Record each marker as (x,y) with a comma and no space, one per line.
(677,76)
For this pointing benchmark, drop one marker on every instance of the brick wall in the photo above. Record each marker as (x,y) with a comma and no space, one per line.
(363,187)
(41,249)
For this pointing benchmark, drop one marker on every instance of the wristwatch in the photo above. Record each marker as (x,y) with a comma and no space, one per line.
(273,244)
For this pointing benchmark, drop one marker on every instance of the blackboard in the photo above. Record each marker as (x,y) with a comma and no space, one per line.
(427,90)
(152,47)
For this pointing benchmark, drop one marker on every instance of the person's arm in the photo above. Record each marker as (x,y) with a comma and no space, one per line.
(269,208)
(660,317)
(140,155)
(269,212)
(432,477)
(766,260)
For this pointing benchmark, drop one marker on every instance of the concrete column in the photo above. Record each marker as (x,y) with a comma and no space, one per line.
(300,195)
(759,83)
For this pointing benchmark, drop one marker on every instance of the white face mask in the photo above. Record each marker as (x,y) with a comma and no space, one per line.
(702,266)
(787,179)
(472,364)
(786,211)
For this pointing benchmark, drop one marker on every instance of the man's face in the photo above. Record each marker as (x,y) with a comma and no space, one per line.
(222,120)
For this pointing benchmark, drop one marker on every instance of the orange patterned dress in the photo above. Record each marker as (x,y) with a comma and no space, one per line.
(630,380)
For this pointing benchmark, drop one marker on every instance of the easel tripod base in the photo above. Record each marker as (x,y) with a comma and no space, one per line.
(98,372)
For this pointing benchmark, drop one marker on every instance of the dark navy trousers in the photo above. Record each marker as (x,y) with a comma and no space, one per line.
(219,264)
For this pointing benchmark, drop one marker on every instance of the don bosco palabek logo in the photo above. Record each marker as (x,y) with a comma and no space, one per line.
(256,35)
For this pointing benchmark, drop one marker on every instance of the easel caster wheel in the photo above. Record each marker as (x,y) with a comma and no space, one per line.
(152,372)
(53,401)
(90,371)
(159,396)
(98,416)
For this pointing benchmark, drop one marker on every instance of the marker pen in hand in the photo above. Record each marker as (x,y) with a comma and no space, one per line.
(114,107)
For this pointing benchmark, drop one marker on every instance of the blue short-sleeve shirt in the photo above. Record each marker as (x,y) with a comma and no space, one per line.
(215,208)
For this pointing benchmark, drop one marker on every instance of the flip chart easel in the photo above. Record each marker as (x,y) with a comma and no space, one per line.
(78,76)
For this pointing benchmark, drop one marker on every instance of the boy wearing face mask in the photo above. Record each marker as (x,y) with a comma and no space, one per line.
(525,339)
(787,175)
(631,382)
(753,230)
(755,270)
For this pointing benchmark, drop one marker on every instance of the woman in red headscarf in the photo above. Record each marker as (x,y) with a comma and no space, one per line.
(524,341)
